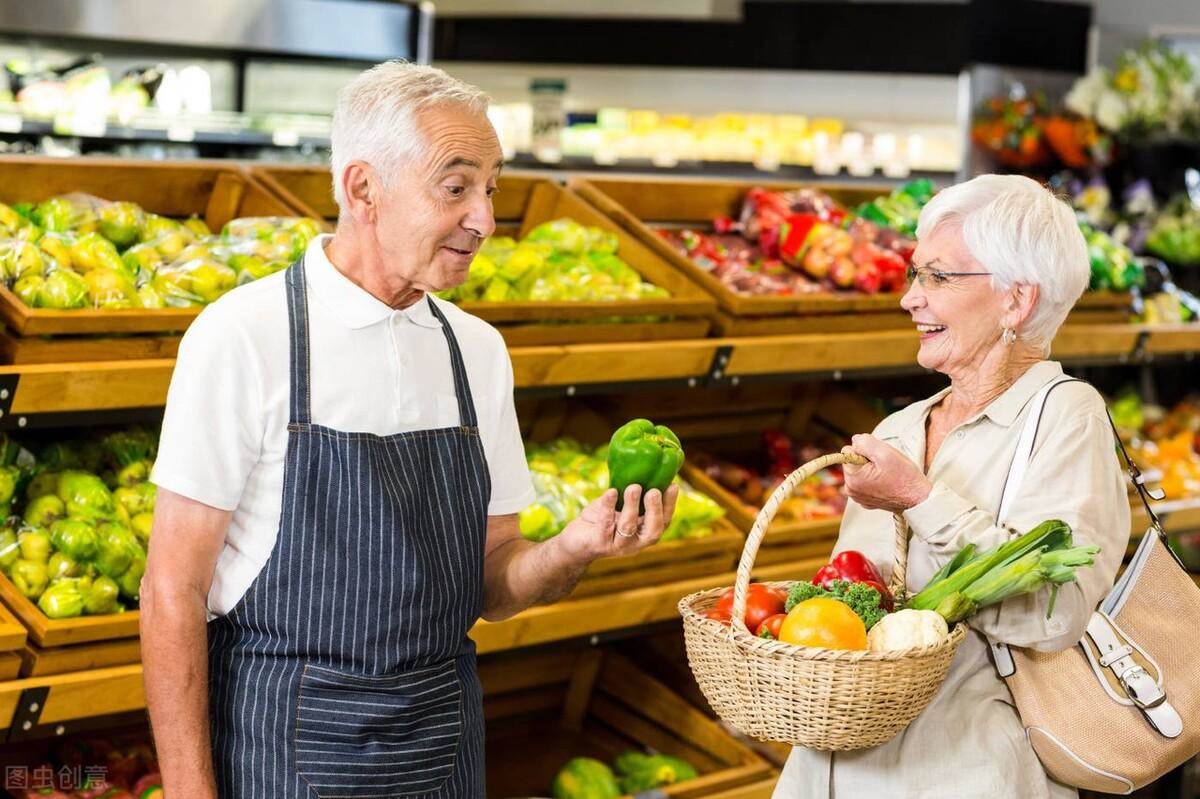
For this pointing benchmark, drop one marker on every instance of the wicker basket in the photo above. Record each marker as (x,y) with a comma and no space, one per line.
(828,699)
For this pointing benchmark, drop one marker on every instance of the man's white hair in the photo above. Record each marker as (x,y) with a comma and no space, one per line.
(1021,233)
(375,119)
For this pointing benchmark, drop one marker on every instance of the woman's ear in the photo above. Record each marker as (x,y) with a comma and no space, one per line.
(1018,307)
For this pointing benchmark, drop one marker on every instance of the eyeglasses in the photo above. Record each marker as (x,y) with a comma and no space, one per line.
(931,278)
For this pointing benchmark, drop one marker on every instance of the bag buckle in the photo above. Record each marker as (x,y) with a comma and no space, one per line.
(1141,688)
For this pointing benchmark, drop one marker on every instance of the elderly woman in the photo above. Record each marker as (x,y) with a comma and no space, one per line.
(999,264)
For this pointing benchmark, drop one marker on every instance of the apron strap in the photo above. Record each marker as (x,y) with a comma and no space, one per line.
(462,386)
(297,301)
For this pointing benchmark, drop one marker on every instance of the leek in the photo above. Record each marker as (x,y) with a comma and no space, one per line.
(1051,534)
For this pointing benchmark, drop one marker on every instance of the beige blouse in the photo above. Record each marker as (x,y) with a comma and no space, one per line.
(969,742)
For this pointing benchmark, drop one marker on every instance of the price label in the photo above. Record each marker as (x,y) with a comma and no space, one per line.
(180,133)
(285,138)
(10,123)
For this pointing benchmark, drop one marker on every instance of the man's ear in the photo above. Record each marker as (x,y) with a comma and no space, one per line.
(1022,299)
(360,188)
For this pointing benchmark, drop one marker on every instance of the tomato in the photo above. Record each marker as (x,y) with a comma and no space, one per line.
(719,614)
(771,625)
(762,601)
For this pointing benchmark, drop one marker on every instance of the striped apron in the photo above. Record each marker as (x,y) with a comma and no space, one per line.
(345,670)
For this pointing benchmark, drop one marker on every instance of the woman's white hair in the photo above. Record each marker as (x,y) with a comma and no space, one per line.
(375,119)
(1021,233)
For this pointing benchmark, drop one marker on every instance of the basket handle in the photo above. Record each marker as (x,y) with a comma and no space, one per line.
(741,585)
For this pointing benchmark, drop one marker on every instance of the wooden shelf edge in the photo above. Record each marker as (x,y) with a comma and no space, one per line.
(579,618)
(79,695)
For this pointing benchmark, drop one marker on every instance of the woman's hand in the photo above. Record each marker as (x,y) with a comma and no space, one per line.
(888,481)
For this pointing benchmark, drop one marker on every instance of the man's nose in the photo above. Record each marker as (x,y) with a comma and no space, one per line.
(481,219)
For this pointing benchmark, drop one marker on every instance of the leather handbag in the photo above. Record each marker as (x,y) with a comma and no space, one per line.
(1122,707)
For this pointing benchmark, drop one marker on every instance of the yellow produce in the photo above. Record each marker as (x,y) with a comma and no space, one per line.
(825,623)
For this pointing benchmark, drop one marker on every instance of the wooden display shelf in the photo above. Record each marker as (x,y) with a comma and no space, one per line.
(542,710)
(665,562)
(578,618)
(642,204)
(113,385)
(47,632)
(213,190)
(76,387)
(74,696)
(633,361)
(39,661)
(522,203)
(23,350)
(786,540)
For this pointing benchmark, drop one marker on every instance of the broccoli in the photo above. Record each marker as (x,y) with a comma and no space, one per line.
(862,598)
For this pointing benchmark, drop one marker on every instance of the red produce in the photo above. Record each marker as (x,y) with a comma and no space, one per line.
(843,272)
(771,626)
(867,278)
(762,601)
(854,567)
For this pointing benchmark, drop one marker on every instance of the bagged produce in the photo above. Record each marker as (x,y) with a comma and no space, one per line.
(558,260)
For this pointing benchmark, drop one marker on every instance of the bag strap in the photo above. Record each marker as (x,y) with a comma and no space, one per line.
(1001,657)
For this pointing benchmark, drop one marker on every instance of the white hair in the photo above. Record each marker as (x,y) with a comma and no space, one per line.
(1021,233)
(375,119)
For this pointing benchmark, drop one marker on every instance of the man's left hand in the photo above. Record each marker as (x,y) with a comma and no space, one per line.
(888,481)
(602,531)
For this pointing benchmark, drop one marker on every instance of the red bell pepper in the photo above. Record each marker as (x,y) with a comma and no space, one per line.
(854,567)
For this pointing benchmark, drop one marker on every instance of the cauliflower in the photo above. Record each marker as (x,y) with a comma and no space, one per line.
(906,629)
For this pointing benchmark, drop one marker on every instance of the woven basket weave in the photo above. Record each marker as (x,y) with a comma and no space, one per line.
(828,699)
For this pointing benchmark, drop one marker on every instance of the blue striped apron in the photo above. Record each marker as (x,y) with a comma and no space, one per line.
(345,670)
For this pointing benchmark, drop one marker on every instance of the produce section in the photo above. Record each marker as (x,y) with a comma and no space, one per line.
(574,391)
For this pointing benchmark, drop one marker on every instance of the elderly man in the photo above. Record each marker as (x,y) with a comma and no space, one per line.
(339,474)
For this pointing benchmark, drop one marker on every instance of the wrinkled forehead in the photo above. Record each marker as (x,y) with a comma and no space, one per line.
(456,138)
(945,245)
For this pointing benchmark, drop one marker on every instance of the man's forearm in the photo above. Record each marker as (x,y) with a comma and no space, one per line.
(175,662)
(522,573)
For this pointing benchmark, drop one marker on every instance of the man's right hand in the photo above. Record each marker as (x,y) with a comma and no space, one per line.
(184,545)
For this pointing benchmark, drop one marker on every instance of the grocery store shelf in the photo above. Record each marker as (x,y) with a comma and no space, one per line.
(47,394)
(1177,516)
(50,703)
(40,394)
(582,618)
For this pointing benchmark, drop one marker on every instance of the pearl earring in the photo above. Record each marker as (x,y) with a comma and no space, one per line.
(1009,336)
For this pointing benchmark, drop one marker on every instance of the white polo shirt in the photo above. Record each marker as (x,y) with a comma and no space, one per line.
(374,370)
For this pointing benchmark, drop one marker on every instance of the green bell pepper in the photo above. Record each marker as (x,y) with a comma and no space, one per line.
(35,545)
(30,578)
(44,510)
(75,537)
(645,454)
(62,565)
(63,600)
(102,597)
(130,582)
(9,549)
(118,548)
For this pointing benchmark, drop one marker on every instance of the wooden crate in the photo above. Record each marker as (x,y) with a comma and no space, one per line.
(12,639)
(785,540)
(522,203)
(665,562)
(216,191)
(641,204)
(542,710)
(18,350)
(47,632)
(36,661)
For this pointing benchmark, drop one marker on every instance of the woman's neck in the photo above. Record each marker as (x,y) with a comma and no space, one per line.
(973,390)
